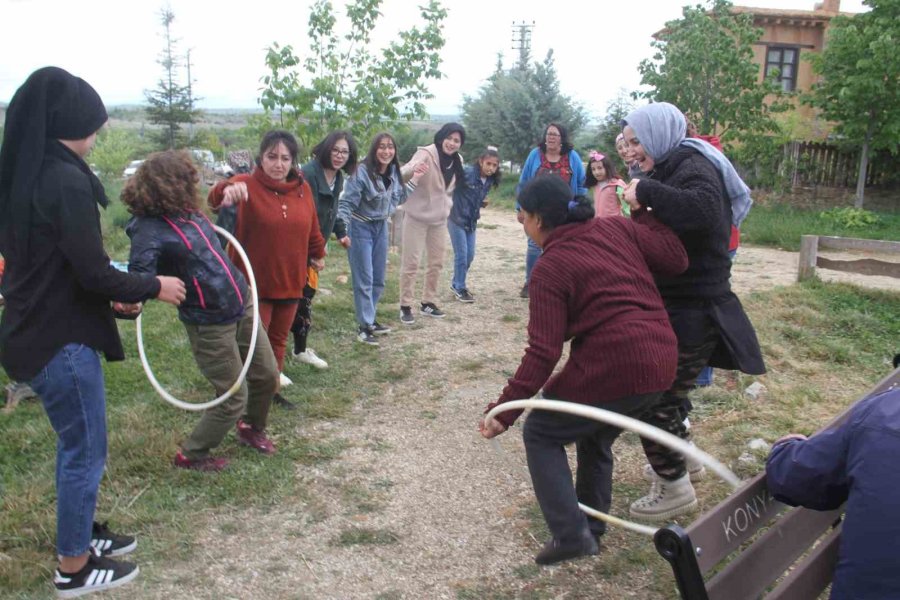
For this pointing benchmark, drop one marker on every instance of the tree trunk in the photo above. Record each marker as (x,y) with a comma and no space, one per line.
(864,163)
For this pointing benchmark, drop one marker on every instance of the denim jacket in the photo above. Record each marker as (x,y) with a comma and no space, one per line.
(468,198)
(367,200)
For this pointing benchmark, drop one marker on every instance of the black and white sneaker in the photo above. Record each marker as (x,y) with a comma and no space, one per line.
(431,309)
(406,315)
(463,295)
(99,573)
(108,543)
(366,336)
(379,329)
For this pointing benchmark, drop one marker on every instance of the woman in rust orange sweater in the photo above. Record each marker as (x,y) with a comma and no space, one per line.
(279,229)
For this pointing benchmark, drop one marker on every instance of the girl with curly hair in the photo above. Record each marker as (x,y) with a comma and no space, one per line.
(170,235)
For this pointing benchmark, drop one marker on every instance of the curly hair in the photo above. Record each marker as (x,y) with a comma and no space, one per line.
(165,184)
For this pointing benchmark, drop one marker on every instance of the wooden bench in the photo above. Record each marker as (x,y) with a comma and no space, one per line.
(756,566)
(810,259)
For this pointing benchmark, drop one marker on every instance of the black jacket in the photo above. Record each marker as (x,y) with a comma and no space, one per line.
(326,199)
(685,192)
(188,248)
(60,293)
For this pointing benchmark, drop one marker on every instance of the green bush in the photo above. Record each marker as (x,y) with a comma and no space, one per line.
(849,217)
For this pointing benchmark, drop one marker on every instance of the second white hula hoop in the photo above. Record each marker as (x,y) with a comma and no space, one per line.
(622,422)
(251,282)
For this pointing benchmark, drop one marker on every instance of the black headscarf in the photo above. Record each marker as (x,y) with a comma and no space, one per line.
(51,105)
(451,164)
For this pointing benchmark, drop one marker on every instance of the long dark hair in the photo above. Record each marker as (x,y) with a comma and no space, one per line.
(371,161)
(563,139)
(490,152)
(322,151)
(550,198)
(611,173)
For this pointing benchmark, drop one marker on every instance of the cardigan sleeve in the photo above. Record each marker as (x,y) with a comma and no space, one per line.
(547,321)
(528,170)
(577,174)
(662,250)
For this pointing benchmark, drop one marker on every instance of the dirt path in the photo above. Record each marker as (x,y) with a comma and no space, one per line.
(443,511)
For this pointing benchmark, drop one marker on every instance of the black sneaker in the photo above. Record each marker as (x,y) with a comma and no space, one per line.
(379,329)
(463,295)
(524,292)
(366,336)
(555,550)
(100,573)
(430,309)
(406,315)
(108,543)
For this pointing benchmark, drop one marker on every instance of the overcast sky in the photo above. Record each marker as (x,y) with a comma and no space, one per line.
(114,44)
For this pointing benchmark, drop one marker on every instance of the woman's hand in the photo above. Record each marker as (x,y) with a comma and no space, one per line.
(128,309)
(317,263)
(630,194)
(345,242)
(491,428)
(171,290)
(234,193)
(418,172)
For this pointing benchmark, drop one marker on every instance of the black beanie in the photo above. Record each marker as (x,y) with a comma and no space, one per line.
(51,104)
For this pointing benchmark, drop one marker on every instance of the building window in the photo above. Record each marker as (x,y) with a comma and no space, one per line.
(785,61)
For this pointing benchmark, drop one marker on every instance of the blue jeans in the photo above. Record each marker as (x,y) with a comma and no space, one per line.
(463,243)
(71,389)
(531,256)
(368,260)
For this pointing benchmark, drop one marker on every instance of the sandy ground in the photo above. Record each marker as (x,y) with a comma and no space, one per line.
(415,469)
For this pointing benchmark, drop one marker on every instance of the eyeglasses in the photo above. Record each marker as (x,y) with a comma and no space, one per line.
(552,135)
(339,152)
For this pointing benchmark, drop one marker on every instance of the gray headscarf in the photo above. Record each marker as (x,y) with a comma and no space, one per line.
(661,128)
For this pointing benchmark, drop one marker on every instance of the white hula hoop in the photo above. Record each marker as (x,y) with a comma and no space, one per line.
(623,422)
(251,281)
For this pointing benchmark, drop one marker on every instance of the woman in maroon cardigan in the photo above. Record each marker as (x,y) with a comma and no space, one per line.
(594,286)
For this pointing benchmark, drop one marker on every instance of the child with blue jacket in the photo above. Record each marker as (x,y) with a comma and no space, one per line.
(468,200)
(170,235)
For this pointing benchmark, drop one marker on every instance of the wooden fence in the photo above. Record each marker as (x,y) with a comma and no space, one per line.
(809,259)
(815,163)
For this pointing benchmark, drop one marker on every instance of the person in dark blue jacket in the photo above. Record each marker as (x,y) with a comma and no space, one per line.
(468,200)
(853,462)
(170,235)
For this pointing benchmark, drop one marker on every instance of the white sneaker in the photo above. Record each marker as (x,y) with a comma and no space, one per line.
(309,357)
(284,380)
(666,500)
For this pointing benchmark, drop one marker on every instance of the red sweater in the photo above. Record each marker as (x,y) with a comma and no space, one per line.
(278,241)
(594,286)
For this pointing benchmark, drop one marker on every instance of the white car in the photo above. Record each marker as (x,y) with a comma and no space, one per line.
(132,168)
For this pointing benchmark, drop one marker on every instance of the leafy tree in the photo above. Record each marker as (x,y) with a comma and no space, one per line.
(115,147)
(704,65)
(513,108)
(171,104)
(343,84)
(611,123)
(860,85)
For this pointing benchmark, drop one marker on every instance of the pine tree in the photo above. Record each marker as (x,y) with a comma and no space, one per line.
(171,104)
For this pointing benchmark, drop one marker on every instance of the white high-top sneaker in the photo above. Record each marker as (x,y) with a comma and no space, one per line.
(666,500)
(694,468)
(310,358)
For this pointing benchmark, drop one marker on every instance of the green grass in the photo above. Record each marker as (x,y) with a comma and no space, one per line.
(141,492)
(364,536)
(781,225)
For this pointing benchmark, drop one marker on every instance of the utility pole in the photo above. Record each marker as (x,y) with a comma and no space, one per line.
(521,42)
(190,100)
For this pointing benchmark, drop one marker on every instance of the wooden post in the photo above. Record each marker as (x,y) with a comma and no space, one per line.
(807,265)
